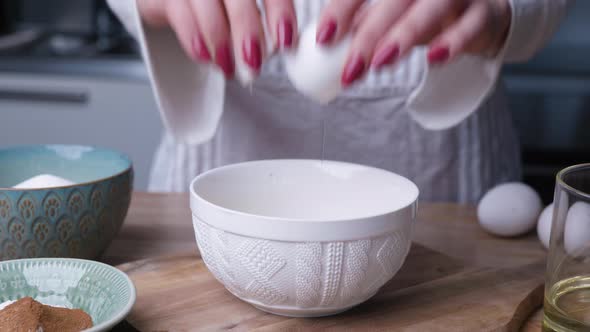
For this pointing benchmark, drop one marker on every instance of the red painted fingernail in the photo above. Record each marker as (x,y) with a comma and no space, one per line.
(385,56)
(438,54)
(252,53)
(353,70)
(200,49)
(285,33)
(326,32)
(224,59)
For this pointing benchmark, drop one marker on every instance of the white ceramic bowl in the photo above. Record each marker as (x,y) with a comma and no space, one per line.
(303,238)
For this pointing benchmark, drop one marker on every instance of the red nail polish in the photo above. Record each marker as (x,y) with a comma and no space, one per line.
(285,33)
(224,59)
(252,53)
(200,49)
(438,54)
(353,70)
(385,56)
(326,32)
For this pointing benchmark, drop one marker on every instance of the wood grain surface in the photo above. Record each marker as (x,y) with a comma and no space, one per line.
(160,224)
(432,292)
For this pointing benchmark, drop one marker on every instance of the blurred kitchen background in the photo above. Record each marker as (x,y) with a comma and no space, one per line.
(69,73)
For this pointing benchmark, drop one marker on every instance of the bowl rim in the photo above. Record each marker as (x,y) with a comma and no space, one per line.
(294,229)
(78,184)
(113,320)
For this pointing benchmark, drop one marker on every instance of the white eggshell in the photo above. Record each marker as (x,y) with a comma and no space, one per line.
(577,229)
(316,70)
(544,225)
(509,209)
(244,74)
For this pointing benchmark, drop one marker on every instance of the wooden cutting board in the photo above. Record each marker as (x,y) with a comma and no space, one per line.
(432,292)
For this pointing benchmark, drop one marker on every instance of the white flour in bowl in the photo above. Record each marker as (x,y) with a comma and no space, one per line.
(44,181)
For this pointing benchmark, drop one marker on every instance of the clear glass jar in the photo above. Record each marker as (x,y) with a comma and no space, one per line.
(567,280)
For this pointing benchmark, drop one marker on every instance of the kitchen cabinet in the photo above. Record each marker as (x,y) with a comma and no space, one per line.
(113,111)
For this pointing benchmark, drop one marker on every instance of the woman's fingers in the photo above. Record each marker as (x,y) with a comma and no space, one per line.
(182,21)
(153,12)
(246,31)
(220,31)
(467,32)
(378,19)
(481,30)
(420,24)
(214,33)
(178,15)
(336,20)
(282,22)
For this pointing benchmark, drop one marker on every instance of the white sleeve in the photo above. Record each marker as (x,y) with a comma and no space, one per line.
(190,96)
(533,24)
(448,94)
(125,11)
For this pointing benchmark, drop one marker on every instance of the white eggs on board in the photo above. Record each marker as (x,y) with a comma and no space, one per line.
(576,235)
(315,70)
(544,225)
(509,209)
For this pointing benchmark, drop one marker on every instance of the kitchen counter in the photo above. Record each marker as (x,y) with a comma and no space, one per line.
(160,225)
(112,67)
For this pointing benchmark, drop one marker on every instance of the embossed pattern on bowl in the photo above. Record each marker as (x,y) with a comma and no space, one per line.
(302,279)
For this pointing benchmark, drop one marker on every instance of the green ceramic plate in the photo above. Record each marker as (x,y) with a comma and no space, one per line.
(103,291)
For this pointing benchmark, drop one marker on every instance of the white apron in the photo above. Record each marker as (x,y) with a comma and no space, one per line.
(457,164)
(368,124)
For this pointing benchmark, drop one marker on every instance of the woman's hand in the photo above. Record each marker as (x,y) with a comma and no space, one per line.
(386,30)
(217,30)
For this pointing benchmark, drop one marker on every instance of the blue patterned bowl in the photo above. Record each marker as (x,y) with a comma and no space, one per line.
(102,291)
(77,221)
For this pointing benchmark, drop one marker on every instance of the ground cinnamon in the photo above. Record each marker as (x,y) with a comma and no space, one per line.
(64,320)
(29,315)
(22,315)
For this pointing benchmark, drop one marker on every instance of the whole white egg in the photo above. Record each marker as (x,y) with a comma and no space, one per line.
(544,225)
(315,70)
(577,229)
(509,209)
